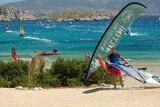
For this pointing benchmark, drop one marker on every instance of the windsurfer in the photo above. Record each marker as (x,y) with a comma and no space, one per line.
(22,32)
(115,57)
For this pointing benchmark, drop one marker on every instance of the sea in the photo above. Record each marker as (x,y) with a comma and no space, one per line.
(74,39)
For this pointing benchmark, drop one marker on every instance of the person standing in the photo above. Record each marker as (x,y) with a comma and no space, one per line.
(116,58)
(14,54)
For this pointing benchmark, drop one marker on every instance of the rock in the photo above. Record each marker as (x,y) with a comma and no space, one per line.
(19,88)
(38,88)
(12,13)
(104,85)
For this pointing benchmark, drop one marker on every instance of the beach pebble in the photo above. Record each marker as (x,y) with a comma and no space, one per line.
(38,88)
(104,85)
(19,88)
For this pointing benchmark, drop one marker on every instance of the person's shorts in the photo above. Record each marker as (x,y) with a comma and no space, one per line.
(114,70)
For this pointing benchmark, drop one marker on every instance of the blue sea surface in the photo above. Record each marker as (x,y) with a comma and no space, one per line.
(75,38)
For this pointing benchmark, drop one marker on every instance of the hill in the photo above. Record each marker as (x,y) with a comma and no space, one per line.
(12,13)
(56,5)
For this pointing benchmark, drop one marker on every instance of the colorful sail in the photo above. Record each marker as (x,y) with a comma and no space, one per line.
(139,75)
(21,30)
(114,32)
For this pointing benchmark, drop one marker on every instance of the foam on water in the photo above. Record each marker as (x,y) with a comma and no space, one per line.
(11,31)
(38,39)
(87,39)
(137,34)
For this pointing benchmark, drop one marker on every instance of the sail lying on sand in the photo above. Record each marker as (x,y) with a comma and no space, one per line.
(114,32)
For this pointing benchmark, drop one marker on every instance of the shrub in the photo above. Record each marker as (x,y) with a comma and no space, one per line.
(4,82)
(74,82)
(13,73)
(73,73)
(45,79)
(63,73)
(68,69)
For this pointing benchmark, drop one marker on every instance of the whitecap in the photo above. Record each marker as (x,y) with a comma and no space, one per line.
(86,39)
(136,34)
(11,31)
(38,39)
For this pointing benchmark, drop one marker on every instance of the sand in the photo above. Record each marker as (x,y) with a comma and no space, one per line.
(132,95)
(81,97)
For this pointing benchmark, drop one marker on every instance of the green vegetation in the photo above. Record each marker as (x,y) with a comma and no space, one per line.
(63,73)
(68,15)
(13,74)
(71,14)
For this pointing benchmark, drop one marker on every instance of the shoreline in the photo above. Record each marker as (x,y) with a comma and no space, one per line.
(74,19)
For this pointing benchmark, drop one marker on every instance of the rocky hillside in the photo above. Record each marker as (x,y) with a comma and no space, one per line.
(12,13)
(68,15)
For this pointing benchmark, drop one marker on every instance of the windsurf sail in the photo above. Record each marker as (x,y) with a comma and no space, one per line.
(114,32)
(140,75)
(21,31)
(130,71)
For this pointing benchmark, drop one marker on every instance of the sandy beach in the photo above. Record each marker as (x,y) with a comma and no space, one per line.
(134,94)
(81,97)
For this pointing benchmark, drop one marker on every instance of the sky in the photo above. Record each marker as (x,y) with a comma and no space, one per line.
(7,1)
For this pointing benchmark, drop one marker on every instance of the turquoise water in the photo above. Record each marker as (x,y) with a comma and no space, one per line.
(75,38)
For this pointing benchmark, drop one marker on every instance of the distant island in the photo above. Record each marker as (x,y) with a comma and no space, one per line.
(79,15)
(13,13)
(65,10)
